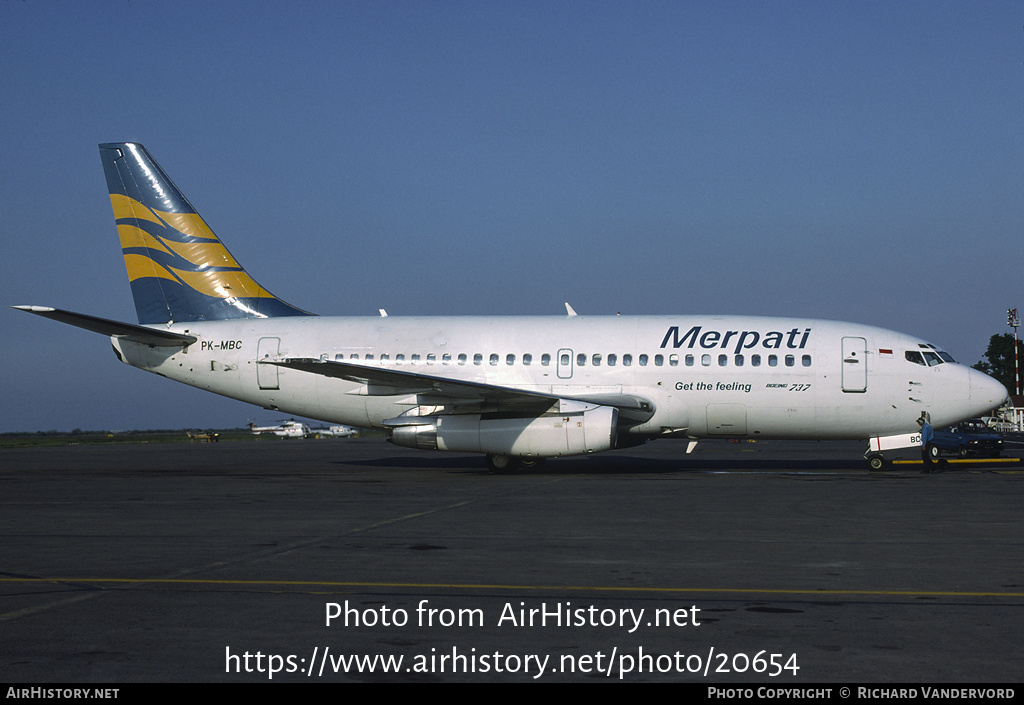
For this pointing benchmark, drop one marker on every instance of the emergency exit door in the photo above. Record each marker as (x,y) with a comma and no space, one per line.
(563,365)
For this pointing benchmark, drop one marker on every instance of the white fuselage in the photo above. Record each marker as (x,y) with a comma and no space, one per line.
(707,376)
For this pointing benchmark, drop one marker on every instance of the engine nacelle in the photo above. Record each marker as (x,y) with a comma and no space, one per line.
(585,429)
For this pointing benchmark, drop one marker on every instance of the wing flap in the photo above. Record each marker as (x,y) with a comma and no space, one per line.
(458,396)
(429,388)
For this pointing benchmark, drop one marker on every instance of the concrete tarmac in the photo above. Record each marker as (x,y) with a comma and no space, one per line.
(773,562)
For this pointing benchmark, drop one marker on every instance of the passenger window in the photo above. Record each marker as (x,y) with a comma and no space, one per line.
(415,358)
(527,358)
(545,359)
(790,360)
(643,361)
(755,360)
(369,357)
(400,358)
(463,358)
(705,360)
(723,360)
(478,359)
(806,360)
(446,359)
(627,360)
(673,360)
(773,361)
(612,359)
(431,358)
(339,356)
(494,359)
(596,359)
(659,360)
(581,359)
(739,361)
(384,357)
(510,359)
(564,360)
(689,360)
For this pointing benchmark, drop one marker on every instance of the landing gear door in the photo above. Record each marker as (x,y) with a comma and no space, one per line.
(855,365)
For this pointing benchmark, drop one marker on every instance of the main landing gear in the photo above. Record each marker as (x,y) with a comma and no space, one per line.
(505,464)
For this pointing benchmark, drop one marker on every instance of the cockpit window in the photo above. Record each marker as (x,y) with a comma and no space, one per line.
(915,357)
(943,356)
(928,355)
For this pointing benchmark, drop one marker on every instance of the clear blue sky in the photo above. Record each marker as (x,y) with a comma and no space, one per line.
(859,161)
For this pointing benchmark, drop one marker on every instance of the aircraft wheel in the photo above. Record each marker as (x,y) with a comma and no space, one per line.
(933,451)
(531,463)
(962,452)
(501,464)
(876,461)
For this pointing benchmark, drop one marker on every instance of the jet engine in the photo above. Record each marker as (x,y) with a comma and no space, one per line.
(588,429)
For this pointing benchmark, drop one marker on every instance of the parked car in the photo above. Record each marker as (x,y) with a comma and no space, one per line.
(972,437)
(998,425)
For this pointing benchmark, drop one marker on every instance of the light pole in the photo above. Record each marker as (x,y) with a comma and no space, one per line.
(1013,321)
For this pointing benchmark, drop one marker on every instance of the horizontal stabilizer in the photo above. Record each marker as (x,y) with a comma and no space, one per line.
(128,331)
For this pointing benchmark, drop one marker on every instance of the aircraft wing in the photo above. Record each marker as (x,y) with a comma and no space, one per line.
(458,396)
(129,331)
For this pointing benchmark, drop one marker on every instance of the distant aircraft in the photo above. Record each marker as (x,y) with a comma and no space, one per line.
(336,431)
(517,389)
(204,436)
(286,429)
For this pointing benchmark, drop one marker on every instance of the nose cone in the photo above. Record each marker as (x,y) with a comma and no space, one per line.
(986,392)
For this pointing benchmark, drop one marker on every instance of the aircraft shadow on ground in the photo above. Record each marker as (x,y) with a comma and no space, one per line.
(620,464)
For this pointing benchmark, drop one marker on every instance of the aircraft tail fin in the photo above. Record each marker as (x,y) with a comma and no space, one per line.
(178,269)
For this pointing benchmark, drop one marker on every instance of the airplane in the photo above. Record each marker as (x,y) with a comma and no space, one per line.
(518,389)
(286,429)
(336,431)
(204,436)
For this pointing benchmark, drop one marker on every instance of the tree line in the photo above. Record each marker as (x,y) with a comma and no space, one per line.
(999,362)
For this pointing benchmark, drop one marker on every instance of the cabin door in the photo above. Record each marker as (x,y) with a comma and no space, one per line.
(855,365)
